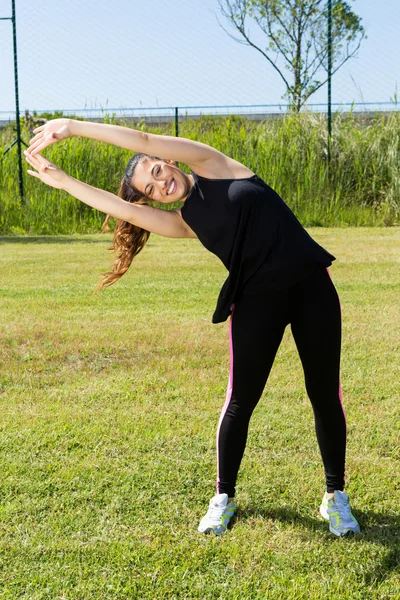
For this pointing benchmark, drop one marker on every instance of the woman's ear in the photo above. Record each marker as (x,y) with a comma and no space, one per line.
(169,161)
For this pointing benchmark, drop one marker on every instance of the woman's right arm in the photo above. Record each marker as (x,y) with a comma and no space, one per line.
(167,223)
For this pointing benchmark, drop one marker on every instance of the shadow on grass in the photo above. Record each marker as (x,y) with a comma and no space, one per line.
(376,528)
(56,239)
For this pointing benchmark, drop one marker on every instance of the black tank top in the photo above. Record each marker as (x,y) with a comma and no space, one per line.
(254,233)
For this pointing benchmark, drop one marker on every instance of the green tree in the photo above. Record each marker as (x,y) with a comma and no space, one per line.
(296,43)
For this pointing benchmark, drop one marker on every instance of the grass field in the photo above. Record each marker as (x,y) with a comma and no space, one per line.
(109,407)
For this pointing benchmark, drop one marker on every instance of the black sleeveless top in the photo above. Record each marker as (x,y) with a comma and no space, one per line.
(254,233)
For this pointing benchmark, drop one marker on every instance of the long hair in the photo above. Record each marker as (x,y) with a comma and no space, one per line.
(129,239)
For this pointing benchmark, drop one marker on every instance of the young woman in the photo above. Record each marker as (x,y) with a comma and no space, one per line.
(277,275)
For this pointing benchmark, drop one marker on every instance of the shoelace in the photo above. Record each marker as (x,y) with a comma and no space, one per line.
(343,507)
(216,510)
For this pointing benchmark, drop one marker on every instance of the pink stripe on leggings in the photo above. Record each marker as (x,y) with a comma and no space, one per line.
(340,388)
(228,391)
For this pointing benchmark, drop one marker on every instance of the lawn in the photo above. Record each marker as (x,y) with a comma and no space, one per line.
(109,408)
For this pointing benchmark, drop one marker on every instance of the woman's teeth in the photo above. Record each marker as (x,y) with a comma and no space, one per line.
(171,188)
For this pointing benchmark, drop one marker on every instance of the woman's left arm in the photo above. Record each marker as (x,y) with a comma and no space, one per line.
(163,146)
(198,156)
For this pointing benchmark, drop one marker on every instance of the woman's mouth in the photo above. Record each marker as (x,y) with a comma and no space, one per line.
(172,187)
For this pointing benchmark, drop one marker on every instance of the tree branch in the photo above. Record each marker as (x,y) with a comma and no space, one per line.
(271,35)
(240,26)
(280,21)
(296,31)
(320,84)
(250,43)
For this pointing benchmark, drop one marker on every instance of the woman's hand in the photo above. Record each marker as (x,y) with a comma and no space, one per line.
(53,131)
(46,171)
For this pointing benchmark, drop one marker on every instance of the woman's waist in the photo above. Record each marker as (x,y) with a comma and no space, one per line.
(279,278)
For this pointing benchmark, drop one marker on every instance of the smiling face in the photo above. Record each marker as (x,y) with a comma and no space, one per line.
(161,181)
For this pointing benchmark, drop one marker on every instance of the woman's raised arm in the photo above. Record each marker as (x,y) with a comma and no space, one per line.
(164,146)
(167,223)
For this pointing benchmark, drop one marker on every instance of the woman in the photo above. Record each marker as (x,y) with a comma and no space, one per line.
(277,275)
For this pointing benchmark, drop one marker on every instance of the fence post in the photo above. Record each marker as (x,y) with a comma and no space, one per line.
(176,121)
(18,141)
(329,80)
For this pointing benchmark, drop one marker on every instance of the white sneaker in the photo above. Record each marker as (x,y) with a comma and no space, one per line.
(337,511)
(218,515)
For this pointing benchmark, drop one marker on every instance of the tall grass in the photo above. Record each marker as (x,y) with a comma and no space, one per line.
(360,187)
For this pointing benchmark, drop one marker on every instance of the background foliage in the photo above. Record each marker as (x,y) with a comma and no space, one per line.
(362,186)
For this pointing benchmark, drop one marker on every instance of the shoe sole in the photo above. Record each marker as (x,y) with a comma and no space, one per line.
(210,530)
(347,534)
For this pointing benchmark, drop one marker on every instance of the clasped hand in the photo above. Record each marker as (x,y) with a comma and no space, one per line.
(46,171)
(53,131)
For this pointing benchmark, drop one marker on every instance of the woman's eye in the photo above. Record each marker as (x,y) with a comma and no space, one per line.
(158,169)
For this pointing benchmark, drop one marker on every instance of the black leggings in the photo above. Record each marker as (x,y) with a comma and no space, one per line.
(257,325)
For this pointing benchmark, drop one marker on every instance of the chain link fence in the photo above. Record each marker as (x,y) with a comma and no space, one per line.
(174,62)
(137,59)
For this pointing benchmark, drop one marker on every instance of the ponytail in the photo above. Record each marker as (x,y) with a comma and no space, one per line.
(129,239)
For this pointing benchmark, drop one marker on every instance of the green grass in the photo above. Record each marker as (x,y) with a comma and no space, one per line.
(360,188)
(109,408)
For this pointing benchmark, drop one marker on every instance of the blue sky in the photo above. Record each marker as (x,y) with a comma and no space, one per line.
(75,54)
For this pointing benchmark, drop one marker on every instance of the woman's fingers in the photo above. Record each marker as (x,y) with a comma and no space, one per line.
(32,160)
(47,141)
(36,159)
(35,138)
(45,170)
(50,133)
(33,145)
(41,144)
(29,159)
(33,173)
(42,160)
(38,162)
(39,129)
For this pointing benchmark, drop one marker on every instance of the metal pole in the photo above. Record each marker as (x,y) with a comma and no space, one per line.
(329,80)
(176,121)
(14,24)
